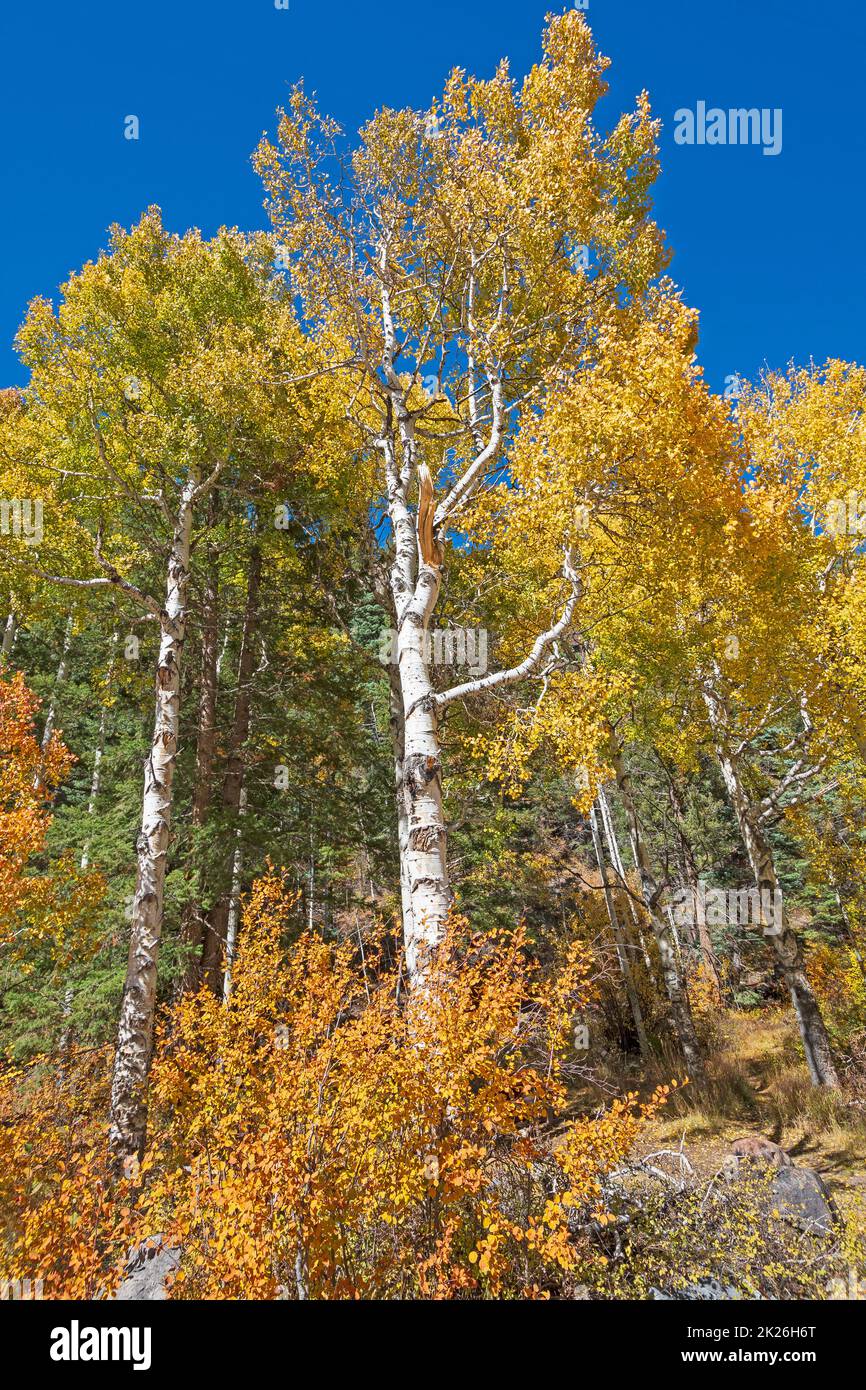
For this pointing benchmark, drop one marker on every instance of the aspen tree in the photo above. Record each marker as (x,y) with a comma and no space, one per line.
(444,261)
(159,374)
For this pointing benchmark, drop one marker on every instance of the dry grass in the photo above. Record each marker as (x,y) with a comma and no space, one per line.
(759,1084)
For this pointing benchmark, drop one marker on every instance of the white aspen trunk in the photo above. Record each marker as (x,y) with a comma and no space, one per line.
(128,1113)
(424,864)
(425,853)
(94,786)
(619,870)
(233,780)
(234,905)
(52,708)
(311,877)
(399,746)
(66,1036)
(194,921)
(415,583)
(415,580)
(691,877)
(9,631)
(680,1010)
(784,942)
(98,754)
(84,863)
(622,953)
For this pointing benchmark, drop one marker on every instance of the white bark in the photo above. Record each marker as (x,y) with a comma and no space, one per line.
(619,870)
(621,947)
(98,754)
(785,945)
(415,579)
(398,740)
(234,904)
(680,1010)
(84,863)
(52,708)
(425,853)
(9,631)
(128,1114)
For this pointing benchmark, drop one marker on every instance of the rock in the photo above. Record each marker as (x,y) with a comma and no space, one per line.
(706,1289)
(800,1196)
(150,1266)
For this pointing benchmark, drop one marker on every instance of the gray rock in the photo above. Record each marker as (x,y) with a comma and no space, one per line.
(149,1266)
(706,1289)
(800,1196)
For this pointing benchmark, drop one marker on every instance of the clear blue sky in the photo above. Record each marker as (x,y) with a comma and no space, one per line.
(770,249)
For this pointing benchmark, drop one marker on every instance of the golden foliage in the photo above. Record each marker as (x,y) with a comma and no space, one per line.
(326,1136)
(53,908)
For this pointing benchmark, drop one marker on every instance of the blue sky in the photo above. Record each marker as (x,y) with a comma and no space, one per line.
(770,249)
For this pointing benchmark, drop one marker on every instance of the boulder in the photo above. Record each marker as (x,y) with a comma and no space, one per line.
(705,1289)
(799,1195)
(149,1268)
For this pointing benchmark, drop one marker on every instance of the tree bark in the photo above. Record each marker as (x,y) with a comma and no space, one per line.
(621,948)
(234,914)
(51,716)
(67,1036)
(128,1113)
(692,882)
(680,1010)
(194,922)
(425,849)
(9,630)
(784,942)
(398,742)
(415,578)
(619,870)
(216,935)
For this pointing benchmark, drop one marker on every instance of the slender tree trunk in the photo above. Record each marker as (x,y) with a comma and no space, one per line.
(621,950)
(234,916)
(415,580)
(194,922)
(98,754)
(128,1114)
(691,879)
(849,930)
(51,716)
(216,935)
(9,631)
(425,851)
(619,870)
(67,1036)
(680,1010)
(398,739)
(777,928)
(311,881)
